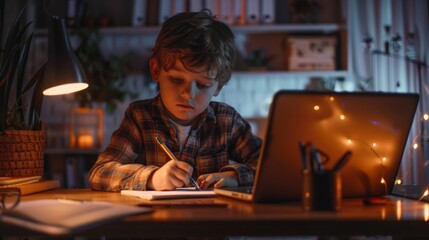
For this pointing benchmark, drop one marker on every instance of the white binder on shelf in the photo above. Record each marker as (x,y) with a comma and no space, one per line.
(213,5)
(239,12)
(178,6)
(267,11)
(164,10)
(71,11)
(226,11)
(252,12)
(195,5)
(139,13)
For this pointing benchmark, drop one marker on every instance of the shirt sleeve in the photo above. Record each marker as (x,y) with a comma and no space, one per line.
(116,168)
(244,149)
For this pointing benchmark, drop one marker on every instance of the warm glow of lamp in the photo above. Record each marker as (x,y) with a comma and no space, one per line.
(86,128)
(85,141)
(65,89)
(63,72)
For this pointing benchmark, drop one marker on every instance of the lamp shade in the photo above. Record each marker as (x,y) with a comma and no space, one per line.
(63,72)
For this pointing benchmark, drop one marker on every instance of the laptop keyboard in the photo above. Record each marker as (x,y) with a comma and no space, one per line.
(242,189)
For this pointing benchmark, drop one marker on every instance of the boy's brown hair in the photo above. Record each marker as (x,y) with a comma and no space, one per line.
(197,39)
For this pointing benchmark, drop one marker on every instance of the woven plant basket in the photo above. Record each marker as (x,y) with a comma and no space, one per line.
(22,152)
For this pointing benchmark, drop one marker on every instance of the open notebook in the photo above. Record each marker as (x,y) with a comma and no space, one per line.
(62,216)
(373,126)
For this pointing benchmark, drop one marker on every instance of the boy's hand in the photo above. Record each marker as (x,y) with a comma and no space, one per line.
(172,175)
(218,180)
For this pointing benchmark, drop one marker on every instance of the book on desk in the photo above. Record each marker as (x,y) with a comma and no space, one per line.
(62,216)
(29,185)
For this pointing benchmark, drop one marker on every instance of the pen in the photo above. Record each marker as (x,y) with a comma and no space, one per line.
(342,161)
(315,159)
(171,155)
(303,155)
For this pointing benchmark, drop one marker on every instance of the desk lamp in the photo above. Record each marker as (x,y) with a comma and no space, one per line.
(62,73)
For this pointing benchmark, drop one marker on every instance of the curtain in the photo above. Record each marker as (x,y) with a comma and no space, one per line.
(380,33)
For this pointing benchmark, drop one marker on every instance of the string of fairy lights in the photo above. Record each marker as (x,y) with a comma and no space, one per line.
(392,47)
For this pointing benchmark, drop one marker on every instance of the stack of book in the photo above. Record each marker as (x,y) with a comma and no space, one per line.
(29,185)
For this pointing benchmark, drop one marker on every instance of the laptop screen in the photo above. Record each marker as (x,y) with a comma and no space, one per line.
(373,126)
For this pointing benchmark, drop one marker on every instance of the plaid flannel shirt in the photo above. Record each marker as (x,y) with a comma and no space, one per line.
(220,135)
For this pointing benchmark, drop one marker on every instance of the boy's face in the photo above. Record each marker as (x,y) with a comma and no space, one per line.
(184,93)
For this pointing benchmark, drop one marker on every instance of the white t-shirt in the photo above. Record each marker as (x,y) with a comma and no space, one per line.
(182,133)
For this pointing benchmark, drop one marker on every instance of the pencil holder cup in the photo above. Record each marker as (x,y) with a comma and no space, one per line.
(321,191)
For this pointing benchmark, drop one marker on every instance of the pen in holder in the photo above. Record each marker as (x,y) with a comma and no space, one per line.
(321,188)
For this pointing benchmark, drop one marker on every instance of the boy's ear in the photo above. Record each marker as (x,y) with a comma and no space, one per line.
(217,91)
(154,69)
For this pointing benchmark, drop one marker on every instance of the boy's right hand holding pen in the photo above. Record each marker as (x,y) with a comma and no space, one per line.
(170,176)
(173,174)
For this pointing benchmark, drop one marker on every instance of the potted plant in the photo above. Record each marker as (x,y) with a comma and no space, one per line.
(257,60)
(13,61)
(22,138)
(105,74)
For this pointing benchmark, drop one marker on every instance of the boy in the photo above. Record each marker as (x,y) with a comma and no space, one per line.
(192,59)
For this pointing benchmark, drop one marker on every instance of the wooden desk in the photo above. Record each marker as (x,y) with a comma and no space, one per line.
(400,218)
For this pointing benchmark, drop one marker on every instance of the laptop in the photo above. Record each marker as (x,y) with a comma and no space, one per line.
(374,126)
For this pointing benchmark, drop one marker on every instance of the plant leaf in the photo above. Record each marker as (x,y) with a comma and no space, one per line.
(2,8)
(20,78)
(13,33)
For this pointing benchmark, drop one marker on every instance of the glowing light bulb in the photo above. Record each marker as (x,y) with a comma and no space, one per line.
(415,146)
(349,141)
(425,116)
(316,107)
(398,182)
(331,99)
(382,181)
(342,117)
(383,159)
(374,144)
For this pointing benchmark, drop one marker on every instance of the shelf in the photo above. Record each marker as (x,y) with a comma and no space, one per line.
(287,28)
(290,74)
(267,28)
(238,29)
(285,74)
